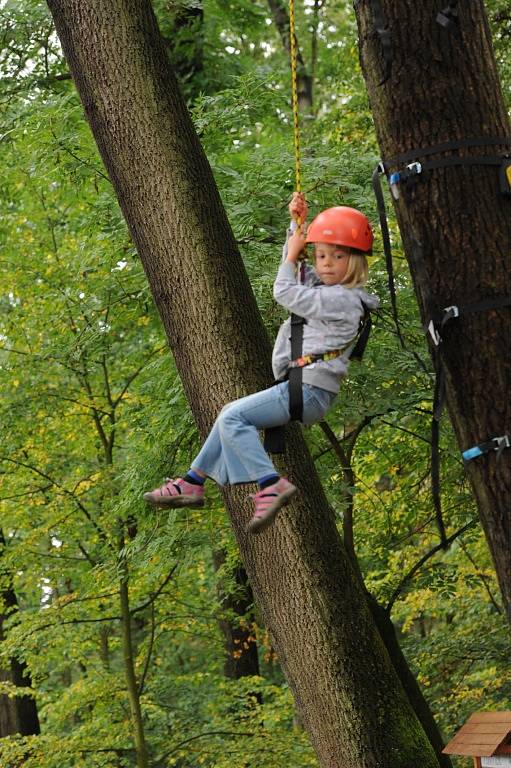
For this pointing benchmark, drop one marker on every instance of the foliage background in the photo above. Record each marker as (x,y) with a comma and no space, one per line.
(93,413)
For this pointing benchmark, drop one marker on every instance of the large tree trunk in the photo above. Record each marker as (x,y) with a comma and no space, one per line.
(456,226)
(351,701)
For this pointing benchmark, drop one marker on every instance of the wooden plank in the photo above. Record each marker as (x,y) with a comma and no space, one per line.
(481,735)
(485,728)
(472,749)
(468,751)
(479,738)
(495,717)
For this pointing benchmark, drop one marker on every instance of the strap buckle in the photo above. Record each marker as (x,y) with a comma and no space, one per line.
(434,333)
(498,444)
(412,169)
(301,362)
(448,313)
(447,17)
(501,442)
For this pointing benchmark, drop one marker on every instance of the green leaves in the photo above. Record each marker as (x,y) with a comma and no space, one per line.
(93,414)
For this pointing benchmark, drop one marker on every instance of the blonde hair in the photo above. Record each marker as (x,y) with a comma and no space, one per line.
(357,271)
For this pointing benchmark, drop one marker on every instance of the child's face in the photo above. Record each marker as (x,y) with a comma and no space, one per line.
(331,262)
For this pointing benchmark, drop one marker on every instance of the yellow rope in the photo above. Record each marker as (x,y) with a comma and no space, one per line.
(294,93)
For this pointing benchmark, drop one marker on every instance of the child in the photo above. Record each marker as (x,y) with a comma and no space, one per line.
(331,300)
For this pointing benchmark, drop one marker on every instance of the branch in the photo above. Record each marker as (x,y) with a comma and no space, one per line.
(70,621)
(57,557)
(349,479)
(149,653)
(202,736)
(78,503)
(28,84)
(79,159)
(156,594)
(481,575)
(77,402)
(406,431)
(134,375)
(411,573)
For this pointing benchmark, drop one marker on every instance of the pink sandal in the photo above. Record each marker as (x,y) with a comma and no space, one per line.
(176,493)
(268,502)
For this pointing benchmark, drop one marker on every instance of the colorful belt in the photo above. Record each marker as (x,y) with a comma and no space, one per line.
(301,362)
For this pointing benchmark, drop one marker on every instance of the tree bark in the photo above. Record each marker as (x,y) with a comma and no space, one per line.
(454,223)
(352,703)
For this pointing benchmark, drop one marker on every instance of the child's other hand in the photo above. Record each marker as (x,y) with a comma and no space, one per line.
(298,208)
(295,246)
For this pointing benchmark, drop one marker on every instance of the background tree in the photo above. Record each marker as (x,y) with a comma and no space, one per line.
(455,223)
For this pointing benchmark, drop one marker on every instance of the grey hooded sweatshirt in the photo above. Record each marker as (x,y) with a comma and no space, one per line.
(333,314)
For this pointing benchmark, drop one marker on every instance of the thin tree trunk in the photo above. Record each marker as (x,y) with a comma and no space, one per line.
(455,225)
(129,663)
(240,645)
(408,680)
(280,16)
(352,703)
(185,45)
(18,714)
(381,615)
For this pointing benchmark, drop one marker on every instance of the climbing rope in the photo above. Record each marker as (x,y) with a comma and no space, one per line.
(294,94)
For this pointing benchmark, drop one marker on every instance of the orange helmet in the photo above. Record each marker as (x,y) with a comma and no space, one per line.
(342,226)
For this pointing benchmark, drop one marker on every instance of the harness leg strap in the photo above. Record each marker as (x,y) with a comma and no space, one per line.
(295,375)
(295,379)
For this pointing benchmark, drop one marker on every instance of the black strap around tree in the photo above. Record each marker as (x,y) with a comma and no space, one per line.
(439,319)
(436,327)
(446,146)
(415,173)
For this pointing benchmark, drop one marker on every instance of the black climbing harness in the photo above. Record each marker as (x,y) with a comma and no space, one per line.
(354,350)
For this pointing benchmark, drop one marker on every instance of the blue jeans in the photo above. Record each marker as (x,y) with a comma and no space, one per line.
(233,452)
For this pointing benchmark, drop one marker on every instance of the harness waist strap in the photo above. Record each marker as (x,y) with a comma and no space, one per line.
(301,362)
